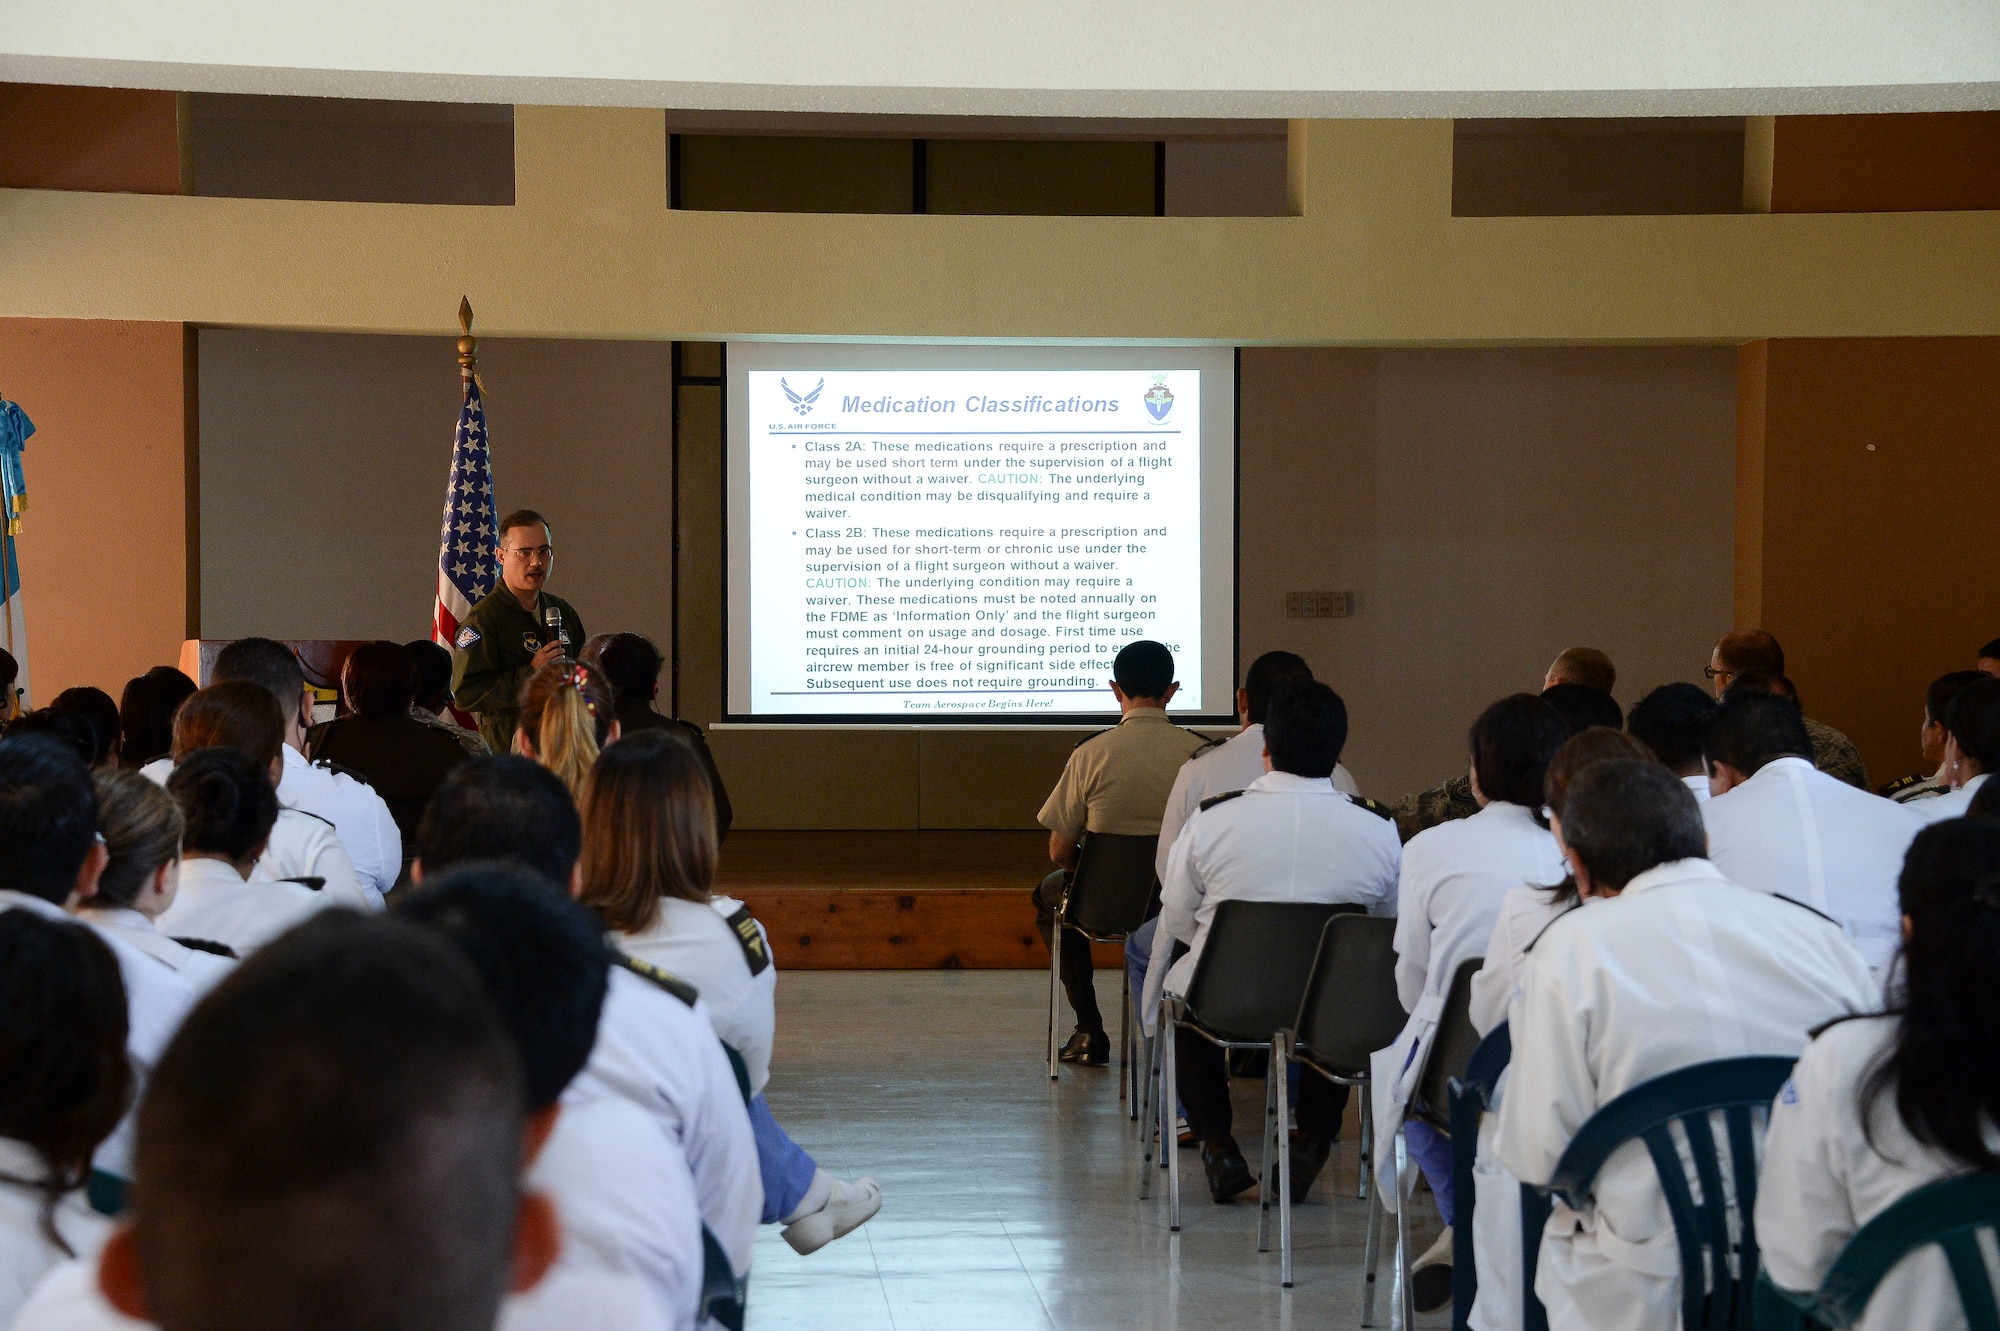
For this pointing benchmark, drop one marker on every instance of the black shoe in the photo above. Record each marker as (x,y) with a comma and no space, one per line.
(1087,1049)
(1308,1158)
(1228,1172)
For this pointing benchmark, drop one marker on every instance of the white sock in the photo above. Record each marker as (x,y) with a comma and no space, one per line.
(816,1199)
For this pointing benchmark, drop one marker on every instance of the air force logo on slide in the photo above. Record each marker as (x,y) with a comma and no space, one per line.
(1159,398)
(803,404)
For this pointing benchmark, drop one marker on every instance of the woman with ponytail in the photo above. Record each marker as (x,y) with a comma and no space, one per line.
(1879,1106)
(142,828)
(568,715)
(228,806)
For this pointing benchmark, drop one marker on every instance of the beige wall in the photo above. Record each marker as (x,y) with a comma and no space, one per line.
(324,456)
(104,545)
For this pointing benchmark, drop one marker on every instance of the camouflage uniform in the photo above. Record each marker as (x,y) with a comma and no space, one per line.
(496,649)
(1440,804)
(1835,754)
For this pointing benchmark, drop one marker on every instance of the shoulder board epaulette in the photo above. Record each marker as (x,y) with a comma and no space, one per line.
(328,766)
(1095,734)
(1902,784)
(744,925)
(665,979)
(310,814)
(208,945)
(1208,742)
(1214,800)
(1803,906)
(1376,807)
(1567,912)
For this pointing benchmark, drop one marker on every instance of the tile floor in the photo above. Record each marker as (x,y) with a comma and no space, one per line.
(1010,1201)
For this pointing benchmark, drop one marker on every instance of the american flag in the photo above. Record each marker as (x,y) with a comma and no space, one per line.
(466,567)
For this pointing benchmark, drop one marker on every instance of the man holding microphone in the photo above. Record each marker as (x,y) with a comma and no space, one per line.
(514,631)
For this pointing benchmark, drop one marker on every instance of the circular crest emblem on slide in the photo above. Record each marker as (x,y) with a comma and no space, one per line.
(1159,398)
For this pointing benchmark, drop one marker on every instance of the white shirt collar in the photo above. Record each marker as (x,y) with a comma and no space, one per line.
(1786,763)
(1501,810)
(1975,783)
(1690,870)
(197,872)
(123,916)
(27,901)
(1293,783)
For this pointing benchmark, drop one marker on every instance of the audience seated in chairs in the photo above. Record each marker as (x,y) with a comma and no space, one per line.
(648,862)
(1670,965)
(1884,1104)
(400,757)
(1289,837)
(631,664)
(146,715)
(143,832)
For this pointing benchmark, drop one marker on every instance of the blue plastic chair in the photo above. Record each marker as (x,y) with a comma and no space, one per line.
(1713,1296)
(1950,1213)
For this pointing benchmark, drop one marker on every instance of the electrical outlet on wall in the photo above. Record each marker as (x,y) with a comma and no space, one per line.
(1319,605)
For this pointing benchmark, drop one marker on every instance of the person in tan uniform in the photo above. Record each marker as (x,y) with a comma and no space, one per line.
(1116,781)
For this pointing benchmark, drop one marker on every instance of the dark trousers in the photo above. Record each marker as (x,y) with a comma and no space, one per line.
(1075,953)
(1203,1073)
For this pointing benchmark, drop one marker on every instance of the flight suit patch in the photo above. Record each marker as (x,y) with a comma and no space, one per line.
(467,636)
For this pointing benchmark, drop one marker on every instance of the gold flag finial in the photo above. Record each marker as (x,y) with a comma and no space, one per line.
(468,345)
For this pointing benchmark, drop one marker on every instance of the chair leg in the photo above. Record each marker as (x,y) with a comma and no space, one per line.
(1149,1126)
(1169,1096)
(1371,1256)
(1272,1124)
(1055,987)
(1404,1312)
(1280,1076)
(1125,1038)
(1367,1139)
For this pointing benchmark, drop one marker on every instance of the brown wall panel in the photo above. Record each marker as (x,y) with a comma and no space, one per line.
(974,778)
(103,548)
(1937,162)
(1879,490)
(822,778)
(111,140)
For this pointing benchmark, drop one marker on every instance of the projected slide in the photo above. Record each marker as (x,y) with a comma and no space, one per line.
(940,541)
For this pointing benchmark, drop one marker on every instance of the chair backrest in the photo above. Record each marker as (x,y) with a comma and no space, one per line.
(1114,886)
(1712,1295)
(1451,1048)
(1471,1096)
(1950,1213)
(1350,1008)
(1253,967)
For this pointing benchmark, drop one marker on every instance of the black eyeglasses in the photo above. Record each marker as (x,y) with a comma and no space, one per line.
(1710,672)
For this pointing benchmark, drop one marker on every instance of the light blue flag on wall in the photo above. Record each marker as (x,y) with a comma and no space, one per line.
(15,427)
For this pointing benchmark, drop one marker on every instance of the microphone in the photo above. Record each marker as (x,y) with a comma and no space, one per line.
(552,621)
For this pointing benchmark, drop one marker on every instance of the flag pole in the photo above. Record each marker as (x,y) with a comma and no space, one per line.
(468,345)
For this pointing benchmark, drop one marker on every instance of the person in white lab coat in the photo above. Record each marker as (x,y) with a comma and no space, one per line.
(1524,912)
(335,1139)
(64,1084)
(1290,836)
(1779,825)
(1671,721)
(227,809)
(1882,1105)
(1670,964)
(50,855)
(621,1186)
(1971,749)
(1223,766)
(656,1048)
(649,855)
(142,829)
(1453,879)
(303,847)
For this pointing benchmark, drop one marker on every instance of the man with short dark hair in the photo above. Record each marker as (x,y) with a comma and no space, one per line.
(1971,749)
(632,663)
(94,706)
(1934,780)
(51,854)
(1672,964)
(1288,836)
(1778,824)
(656,1046)
(1989,658)
(515,630)
(1116,781)
(1671,721)
(1582,665)
(361,818)
(333,1141)
(1747,650)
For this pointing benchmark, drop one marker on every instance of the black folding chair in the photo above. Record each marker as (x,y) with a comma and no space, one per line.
(1112,892)
(1349,1010)
(1247,985)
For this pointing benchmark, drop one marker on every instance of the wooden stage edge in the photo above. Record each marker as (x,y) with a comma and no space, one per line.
(894,900)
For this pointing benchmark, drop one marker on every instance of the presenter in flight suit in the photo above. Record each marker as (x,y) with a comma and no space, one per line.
(512,633)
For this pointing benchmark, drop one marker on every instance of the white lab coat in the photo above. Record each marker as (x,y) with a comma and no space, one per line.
(203,970)
(1793,830)
(157,1000)
(1285,838)
(1822,1180)
(215,902)
(1454,877)
(627,1202)
(1682,967)
(1230,765)
(1951,804)
(26,1255)
(302,845)
(696,942)
(663,1055)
